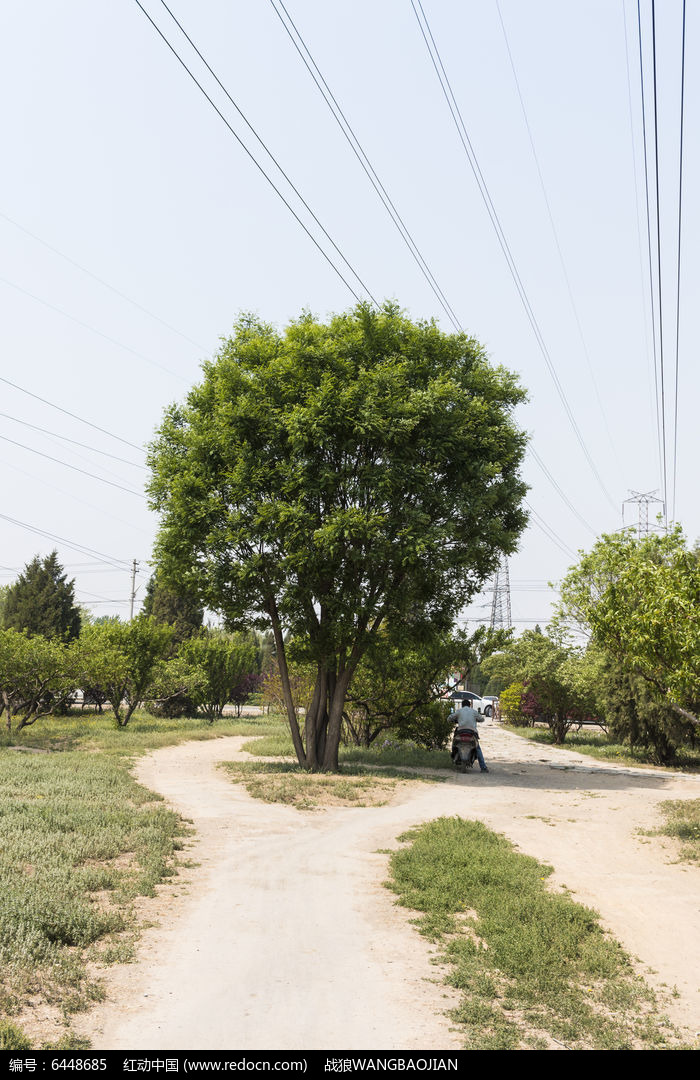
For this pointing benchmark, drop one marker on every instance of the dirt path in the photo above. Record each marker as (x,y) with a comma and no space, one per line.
(286,939)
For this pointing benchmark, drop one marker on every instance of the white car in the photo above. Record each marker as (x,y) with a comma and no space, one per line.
(468,697)
(490,701)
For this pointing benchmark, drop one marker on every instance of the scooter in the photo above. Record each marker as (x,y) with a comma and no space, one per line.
(464,744)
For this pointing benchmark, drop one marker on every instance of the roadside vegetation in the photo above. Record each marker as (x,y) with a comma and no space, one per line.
(606,747)
(534,968)
(683,824)
(622,651)
(80,841)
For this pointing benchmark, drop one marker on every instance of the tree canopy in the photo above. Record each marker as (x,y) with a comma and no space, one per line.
(42,601)
(123,659)
(555,677)
(403,675)
(36,674)
(338,476)
(228,667)
(639,599)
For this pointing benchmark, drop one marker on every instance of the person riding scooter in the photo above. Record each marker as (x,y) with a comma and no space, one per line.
(468,718)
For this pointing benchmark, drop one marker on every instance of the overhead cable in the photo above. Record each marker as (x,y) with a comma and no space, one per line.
(354,143)
(252,157)
(92,329)
(549,532)
(99,556)
(101,281)
(658,261)
(75,468)
(678,275)
(74,442)
(560,491)
(77,498)
(652,294)
(651,359)
(463,134)
(555,231)
(73,416)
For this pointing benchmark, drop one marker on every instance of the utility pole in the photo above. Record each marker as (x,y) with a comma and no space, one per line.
(134,567)
(500,604)
(643,500)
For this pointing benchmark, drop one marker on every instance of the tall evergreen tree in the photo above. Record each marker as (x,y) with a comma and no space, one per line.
(183,613)
(42,601)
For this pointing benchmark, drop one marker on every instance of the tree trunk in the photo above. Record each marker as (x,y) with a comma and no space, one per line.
(284,675)
(316,718)
(335,720)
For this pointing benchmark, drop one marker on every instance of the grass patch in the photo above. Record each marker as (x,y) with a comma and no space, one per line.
(282,782)
(384,752)
(602,746)
(92,732)
(79,841)
(535,969)
(683,823)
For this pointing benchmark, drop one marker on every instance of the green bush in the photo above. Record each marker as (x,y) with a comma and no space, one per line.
(511,701)
(13,1038)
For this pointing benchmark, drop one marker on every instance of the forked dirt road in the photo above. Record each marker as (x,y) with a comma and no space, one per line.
(284,937)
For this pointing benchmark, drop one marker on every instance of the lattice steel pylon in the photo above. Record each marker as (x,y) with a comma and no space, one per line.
(500,604)
(643,499)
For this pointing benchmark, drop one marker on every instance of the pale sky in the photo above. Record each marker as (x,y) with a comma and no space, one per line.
(115,163)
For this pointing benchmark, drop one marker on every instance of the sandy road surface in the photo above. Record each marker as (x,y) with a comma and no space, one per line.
(286,938)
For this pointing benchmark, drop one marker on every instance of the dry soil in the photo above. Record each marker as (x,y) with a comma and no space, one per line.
(283,936)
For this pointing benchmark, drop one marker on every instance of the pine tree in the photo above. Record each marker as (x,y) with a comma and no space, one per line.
(166,606)
(42,601)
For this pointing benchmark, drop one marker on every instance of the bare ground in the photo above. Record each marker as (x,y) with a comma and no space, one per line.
(284,937)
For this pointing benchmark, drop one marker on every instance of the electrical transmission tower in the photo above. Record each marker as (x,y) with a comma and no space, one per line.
(500,604)
(643,499)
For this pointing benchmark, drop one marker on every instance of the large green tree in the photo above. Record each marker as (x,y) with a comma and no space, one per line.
(42,601)
(325,481)
(639,599)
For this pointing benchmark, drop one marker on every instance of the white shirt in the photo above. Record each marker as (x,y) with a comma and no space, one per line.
(466,717)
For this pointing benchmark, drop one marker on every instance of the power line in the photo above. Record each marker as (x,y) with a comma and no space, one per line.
(252,156)
(549,532)
(92,329)
(359,152)
(562,494)
(101,281)
(73,416)
(658,255)
(75,468)
(555,232)
(96,603)
(649,244)
(56,490)
(678,273)
(650,360)
(74,442)
(463,134)
(99,556)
